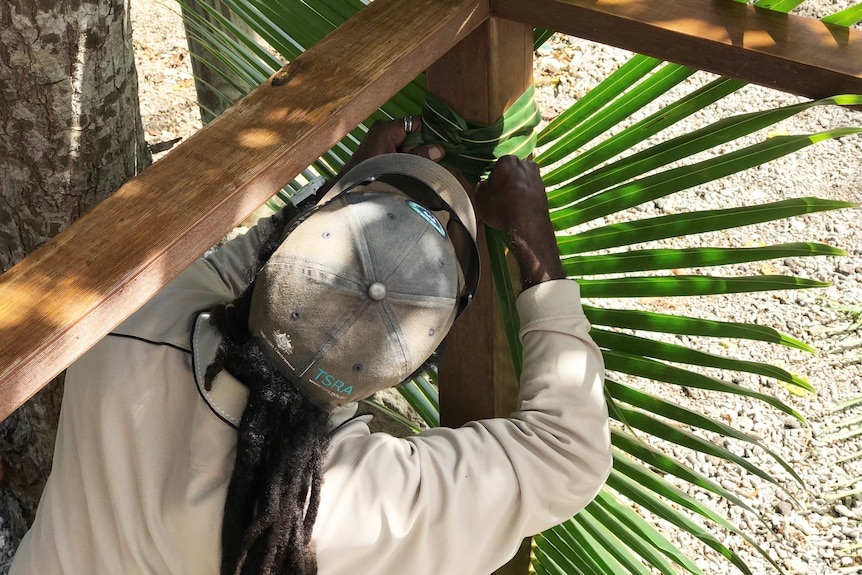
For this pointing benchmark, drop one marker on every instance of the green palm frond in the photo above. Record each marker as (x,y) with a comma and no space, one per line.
(592,175)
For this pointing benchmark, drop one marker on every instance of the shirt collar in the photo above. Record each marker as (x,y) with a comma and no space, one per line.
(227,397)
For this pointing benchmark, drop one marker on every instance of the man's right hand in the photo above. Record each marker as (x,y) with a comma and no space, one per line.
(386,137)
(513,199)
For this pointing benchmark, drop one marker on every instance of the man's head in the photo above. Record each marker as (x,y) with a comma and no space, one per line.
(361,292)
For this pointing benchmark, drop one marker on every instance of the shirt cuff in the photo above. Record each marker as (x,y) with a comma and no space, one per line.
(550,299)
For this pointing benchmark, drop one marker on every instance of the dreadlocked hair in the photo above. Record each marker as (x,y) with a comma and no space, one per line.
(274,490)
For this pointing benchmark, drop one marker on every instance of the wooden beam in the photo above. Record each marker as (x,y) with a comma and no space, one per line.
(480,78)
(72,291)
(799,55)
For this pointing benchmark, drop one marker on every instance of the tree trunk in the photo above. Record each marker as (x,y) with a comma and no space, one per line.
(70,134)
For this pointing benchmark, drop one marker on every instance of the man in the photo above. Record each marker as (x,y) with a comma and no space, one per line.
(214,430)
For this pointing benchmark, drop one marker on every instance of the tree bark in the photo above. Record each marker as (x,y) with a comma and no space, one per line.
(70,134)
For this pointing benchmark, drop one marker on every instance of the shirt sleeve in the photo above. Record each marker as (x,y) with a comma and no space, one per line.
(461,500)
(234,260)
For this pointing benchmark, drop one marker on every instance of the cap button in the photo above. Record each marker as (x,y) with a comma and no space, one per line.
(377,291)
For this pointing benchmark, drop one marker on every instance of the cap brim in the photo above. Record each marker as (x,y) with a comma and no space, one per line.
(434,175)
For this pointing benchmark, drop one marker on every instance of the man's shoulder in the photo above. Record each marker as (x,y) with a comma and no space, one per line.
(169,315)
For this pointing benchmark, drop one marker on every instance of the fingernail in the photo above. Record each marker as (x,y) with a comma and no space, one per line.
(435,153)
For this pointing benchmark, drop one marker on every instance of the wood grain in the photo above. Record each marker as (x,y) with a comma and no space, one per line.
(70,292)
(480,78)
(790,53)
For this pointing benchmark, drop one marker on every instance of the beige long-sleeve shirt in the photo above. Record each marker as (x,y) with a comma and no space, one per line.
(144,454)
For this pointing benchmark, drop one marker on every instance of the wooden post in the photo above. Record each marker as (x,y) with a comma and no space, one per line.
(480,78)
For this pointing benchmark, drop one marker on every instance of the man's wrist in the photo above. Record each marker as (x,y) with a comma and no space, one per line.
(537,256)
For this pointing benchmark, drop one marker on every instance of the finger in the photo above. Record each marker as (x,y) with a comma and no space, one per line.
(417,124)
(387,134)
(395,133)
(406,126)
(480,188)
(411,124)
(434,152)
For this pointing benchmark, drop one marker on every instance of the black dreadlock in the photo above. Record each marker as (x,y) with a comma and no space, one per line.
(274,490)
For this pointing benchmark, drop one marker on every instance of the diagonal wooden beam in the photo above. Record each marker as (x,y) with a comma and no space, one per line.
(789,53)
(70,292)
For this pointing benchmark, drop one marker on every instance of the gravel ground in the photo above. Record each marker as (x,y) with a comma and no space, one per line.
(808,530)
(816,536)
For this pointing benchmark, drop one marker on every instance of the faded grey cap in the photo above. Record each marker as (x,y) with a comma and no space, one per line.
(363,291)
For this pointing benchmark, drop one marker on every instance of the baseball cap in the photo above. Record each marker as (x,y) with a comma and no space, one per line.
(362,291)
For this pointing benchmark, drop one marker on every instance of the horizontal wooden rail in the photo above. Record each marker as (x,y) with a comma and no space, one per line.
(790,53)
(73,290)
